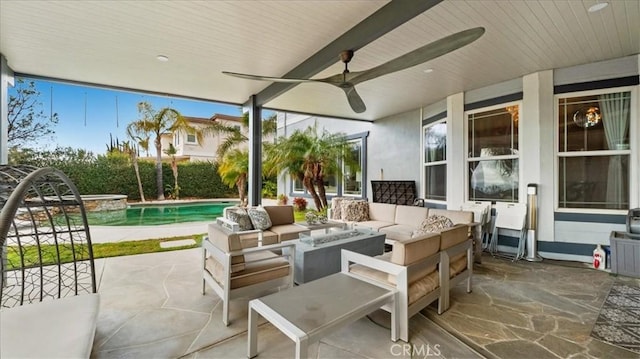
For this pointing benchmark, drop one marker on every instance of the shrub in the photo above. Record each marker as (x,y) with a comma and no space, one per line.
(300,203)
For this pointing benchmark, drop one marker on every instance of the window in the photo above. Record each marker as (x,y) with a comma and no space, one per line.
(493,154)
(176,138)
(352,175)
(594,150)
(435,161)
(191,137)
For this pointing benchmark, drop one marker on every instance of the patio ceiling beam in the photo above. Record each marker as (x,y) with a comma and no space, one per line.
(385,19)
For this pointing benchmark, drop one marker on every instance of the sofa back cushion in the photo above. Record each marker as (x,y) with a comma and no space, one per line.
(411,215)
(412,251)
(227,241)
(382,212)
(355,211)
(280,214)
(455,216)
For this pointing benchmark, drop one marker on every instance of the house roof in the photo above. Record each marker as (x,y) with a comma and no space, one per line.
(115,43)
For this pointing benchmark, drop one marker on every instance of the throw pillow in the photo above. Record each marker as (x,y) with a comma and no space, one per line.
(433,224)
(336,207)
(241,217)
(259,218)
(354,211)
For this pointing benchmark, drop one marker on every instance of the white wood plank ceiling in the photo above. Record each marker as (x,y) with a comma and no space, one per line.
(115,43)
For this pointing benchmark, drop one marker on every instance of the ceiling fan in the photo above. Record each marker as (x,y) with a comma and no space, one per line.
(347,80)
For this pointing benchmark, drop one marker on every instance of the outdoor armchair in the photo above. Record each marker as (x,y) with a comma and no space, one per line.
(234,271)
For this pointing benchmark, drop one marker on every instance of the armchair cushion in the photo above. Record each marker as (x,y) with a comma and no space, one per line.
(227,241)
(408,252)
(259,218)
(449,237)
(258,267)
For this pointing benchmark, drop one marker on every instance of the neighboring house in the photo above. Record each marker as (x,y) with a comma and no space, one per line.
(186,144)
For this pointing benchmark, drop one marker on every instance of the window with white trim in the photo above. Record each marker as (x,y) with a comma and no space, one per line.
(191,137)
(352,177)
(594,149)
(493,156)
(435,160)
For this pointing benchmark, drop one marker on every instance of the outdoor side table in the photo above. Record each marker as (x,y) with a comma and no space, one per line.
(308,312)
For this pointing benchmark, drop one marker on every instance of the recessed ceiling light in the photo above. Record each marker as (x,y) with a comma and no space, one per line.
(162,58)
(428,71)
(598,6)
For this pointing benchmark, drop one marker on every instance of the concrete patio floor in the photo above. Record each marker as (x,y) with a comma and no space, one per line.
(152,307)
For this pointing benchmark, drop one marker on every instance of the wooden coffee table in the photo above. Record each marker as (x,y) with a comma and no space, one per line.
(308,312)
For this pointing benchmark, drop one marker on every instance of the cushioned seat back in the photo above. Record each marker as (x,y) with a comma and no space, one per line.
(449,237)
(411,215)
(227,241)
(280,214)
(382,212)
(411,251)
(455,216)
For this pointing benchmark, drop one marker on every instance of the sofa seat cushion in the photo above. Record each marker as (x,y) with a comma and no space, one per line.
(411,216)
(458,266)
(258,267)
(398,232)
(288,232)
(58,328)
(375,225)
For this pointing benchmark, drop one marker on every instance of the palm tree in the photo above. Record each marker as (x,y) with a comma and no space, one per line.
(233,169)
(141,140)
(171,152)
(310,158)
(156,123)
(229,148)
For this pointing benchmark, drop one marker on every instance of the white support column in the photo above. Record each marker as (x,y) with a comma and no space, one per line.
(456,159)
(6,80)
(537,129)
(254,194)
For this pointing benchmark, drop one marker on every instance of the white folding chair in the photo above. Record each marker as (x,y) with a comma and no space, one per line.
(510,216)
(481,214)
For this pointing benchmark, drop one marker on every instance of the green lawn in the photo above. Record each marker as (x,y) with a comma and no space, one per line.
(100,250)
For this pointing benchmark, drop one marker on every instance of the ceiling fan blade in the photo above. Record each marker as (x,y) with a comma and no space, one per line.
(267,78)
(357,105)
(420,55)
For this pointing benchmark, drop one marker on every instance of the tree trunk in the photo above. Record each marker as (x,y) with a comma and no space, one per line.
(241,183)
(322,194)
(137,169)
(308,184)
(159,169)
(174,169)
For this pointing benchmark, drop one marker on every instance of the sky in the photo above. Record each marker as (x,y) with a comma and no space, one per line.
(87,115)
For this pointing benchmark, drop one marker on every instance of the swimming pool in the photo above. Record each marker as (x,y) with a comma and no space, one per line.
(149,215)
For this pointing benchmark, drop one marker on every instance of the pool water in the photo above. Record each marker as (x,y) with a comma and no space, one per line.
(154,215)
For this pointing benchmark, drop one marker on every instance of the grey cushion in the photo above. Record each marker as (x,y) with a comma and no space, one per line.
(259,218)
(241,217)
